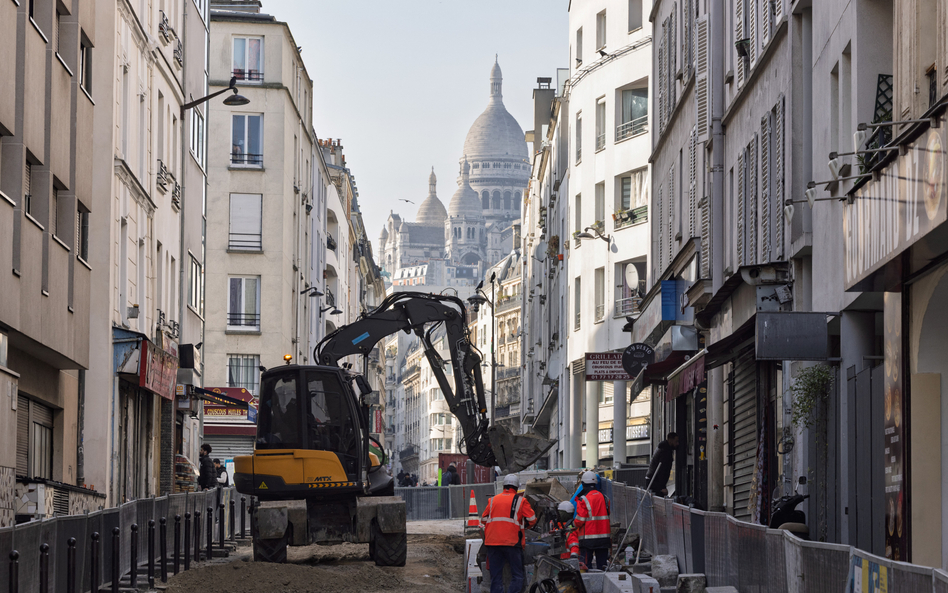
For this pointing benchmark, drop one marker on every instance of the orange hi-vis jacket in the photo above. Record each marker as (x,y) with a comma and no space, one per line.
(572,542)
(592,518)
(505,517)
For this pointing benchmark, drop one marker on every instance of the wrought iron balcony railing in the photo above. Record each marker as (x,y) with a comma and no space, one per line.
(631,128)
(248,75)
(243,320)
(245,242)
(246,159)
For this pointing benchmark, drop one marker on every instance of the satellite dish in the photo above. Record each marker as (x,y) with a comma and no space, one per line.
(631,276)
(540,251)
(553,365)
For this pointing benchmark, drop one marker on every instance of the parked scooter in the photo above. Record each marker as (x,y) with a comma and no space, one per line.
(787,516)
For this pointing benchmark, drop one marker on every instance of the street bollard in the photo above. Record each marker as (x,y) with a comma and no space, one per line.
(71,565)
(197,536)
(163,549)
(210,532)
(187,543)
(151,553)
(14,571)
(133,574)
(94,560)
(116,559)
(220,527)
(44,568)
(233,505)
(243,517)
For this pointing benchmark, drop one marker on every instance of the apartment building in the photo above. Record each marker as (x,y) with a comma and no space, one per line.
(46,203)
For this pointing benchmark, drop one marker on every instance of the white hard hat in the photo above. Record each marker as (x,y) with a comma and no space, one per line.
(567,507)
(512,480)
(589,478)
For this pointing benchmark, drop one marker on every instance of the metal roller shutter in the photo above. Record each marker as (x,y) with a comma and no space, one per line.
(22,436)
(228,447)
(744,431)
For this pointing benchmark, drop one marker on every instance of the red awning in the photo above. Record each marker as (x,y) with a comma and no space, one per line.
(686,377)
(657,372)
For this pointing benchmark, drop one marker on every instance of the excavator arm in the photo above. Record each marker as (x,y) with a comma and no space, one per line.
(422,313)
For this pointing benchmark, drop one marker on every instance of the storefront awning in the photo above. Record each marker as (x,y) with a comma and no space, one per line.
(727,348)
(546,409)
(657,373)
(686,377)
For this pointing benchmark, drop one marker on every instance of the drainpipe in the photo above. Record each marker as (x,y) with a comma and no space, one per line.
(719,48)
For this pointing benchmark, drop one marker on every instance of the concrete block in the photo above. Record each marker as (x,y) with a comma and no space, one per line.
(593,581)
(642,568)
(727,589)
(619,582)
(665,570)
(668,589)
(645,583)
(691,583)
(471,547)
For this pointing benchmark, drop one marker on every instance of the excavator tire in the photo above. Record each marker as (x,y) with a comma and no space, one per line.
(271,550)
(388,549)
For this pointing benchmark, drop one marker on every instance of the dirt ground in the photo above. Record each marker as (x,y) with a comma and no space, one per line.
(434,565)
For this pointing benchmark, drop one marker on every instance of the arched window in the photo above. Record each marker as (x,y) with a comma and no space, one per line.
(506,200)
(516,203)
(485,200)
(496,197)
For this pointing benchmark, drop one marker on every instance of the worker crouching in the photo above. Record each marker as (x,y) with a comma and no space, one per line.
(564,524)
(504,519)
(592,521)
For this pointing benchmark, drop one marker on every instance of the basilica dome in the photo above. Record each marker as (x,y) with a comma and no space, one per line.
(464,202)
(431,212)
(495,133)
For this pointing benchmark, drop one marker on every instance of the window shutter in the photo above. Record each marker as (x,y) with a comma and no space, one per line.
(765,22)
(702,88)
(752,201)
(22,436)
(740,209)
(693,185)
(738,35)
(42,414)
(706,237)
(670,213)
(752,25)
(778,174)
(673,57)
(778,11)
(245,217)
(661,80)
(765,246)
(28,179)
(660,211)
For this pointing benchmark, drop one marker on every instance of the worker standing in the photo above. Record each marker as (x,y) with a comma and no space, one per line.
(592,519)
(564,523)
(504,520)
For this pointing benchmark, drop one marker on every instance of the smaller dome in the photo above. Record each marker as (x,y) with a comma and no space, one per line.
(431,212)
(384,234)
(465,201)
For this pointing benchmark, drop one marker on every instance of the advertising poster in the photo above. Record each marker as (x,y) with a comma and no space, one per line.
(896,521)
(866,576)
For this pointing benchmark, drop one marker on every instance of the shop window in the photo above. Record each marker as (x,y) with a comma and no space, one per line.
(34,439)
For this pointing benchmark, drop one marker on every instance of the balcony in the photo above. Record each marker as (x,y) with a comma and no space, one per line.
(330,298)
(578,322)
(600,141)
(627,218)
(246,159)
(579,155)
(600,312)
(508,303)
(628,306)
(248,75)
(179,53)
(163,177)
(410,370)
(243,320)
(245,242)
(331,243)
(164,26)
(409,452)
(506,372)
(635,127)
(176,195)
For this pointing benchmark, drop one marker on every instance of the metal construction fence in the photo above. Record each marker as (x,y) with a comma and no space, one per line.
(754,558)
(78,553)
(446,502)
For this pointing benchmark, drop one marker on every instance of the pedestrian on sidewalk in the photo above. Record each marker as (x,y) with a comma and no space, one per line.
(592,521)
(504,520)
(207,476)
(223,479)
(660,467)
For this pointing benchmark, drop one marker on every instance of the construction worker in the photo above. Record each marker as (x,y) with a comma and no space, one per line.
(592,520)
(504,520)
(564,523)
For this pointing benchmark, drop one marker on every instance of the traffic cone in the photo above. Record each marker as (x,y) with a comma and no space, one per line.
(473,519)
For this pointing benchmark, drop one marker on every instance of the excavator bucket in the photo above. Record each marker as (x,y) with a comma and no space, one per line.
(516,452)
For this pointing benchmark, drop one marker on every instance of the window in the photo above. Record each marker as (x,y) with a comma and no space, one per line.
(600,203)
(28,188)
(578,214)
(601,30)
(634,113)
(600,124)
(196,287)
(579,137)
(247,147)
(4,340)
(600,294)
(248,58)
(243,370)
(82,232)
(635,15)
(577,301)
(54,213)
(57,33)
(628,298)
(243,303)
(579,46)
(85,65)
(34,439)
(197,136)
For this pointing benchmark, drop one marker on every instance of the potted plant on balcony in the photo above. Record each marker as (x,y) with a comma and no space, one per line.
(553,246)
(599,226)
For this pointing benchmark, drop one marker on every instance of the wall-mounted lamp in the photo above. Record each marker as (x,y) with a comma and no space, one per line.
(599,235)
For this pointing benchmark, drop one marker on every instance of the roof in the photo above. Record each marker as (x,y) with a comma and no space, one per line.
(495,133)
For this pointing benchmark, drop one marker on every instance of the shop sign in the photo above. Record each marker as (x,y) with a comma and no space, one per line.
(605,435)
(637,431)
(379,424)
(221,411)
(605,366)
(158,370)
(896,495)
(636,357)
(891,213)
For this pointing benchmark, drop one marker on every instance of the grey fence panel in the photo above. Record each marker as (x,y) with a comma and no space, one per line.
(750,562)
(646,521)
(901,577)
(426,504)
(675,535)
(716,546)
(776,561)
(660,519)
(128,514)
(108,520)
(696,540)
(76,526)
(939,581)
(821,568)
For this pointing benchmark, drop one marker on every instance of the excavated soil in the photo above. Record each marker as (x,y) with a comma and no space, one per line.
(434,564)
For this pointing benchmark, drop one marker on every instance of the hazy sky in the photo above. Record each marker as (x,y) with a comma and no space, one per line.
(401,81)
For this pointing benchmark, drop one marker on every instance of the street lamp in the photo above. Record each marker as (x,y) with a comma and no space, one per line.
(476,300)
(599,235)
(232,101)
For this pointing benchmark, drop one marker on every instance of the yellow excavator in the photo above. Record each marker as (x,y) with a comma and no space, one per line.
(314,471)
